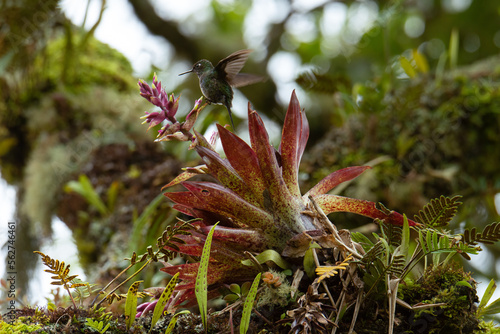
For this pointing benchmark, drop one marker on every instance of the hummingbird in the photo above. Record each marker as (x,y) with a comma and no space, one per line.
(216,82)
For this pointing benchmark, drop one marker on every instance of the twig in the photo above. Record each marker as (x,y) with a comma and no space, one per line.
(111,282)
(328,224)
(316,261)
(254,260)
(356,310)
(263,318)
(125,281)
(231,320)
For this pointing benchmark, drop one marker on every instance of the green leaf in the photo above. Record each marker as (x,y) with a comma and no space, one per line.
(248,305)
(245,287)
(464,283)
(140,223)
(387,252)
(84,188)
(162,301)
(269,255)
(112,194)
(173,321)
(230,298)
(405,238)
(309,265)
(420,61)
(51,306)
(131,304)
(235,288)
(407,67)
(488,293)
(428,238)
(453,49)
(105,328)
(363,240)
(493,308)
(201,285)
(421,240)
(436,244)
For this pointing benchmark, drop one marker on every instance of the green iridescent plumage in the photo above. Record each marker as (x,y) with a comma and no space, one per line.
(216,82)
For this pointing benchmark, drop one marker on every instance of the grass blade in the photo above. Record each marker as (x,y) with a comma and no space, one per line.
(201,285)
(131,304)
(173,321)
(247,307)
(488,293)
(162,301)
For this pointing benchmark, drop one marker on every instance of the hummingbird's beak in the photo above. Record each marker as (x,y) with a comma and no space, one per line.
(186,72)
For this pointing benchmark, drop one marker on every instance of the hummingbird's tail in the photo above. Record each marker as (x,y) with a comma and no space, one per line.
(230,115)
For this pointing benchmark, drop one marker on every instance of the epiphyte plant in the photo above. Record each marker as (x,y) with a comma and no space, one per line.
(257,201)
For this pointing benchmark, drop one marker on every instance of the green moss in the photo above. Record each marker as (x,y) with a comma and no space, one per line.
(18,327)
(80,62)
(442,284)
(488,328)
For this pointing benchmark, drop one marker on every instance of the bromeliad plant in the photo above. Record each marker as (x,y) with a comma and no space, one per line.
(254,196)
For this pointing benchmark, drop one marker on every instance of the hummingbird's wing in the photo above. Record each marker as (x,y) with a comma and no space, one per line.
(232,65)
(244,79)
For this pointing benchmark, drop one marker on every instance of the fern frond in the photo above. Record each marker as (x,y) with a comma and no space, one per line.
(83,289)
(438,212)
(363,240)
(489,235)
(58,269)
(391,232)
(373,253)
(110,298)
(328,271)
(397,265)
(374,273)
(61,274)
(431,241)
(168,239)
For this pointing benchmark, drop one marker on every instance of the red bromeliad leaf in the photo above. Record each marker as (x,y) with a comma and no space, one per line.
(184,176)
(208,216)
(227,175)
(217,198)
(216,275)
(334,203)
(286,207)
(334,179)
(244,239)
(184,209)
(222,248)
(188,271)
(268,164)
(244,160)
(201,140)
(304,136)
(186,199)
(228,243)
(189,296)
(289,147)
